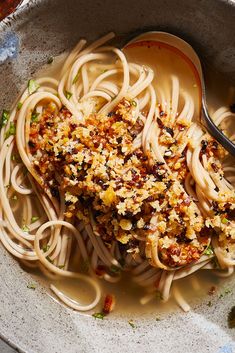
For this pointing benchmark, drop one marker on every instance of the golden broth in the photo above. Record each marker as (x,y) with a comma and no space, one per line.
(128,293)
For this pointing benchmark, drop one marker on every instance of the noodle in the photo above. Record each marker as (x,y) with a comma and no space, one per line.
(46,225)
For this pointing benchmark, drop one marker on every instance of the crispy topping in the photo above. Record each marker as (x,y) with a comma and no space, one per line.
(123,192)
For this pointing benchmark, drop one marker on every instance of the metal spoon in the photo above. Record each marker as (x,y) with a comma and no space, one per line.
(187,50)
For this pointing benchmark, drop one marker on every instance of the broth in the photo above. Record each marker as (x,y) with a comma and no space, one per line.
(128,293)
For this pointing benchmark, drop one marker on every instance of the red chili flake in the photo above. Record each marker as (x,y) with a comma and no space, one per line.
(181,127)
(109,303)
(214,167)
(212,290)
(100,271)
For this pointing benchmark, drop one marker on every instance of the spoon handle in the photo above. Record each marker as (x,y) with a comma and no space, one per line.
(216,132)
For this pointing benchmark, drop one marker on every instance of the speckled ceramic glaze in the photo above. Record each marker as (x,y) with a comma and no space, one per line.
(30,319)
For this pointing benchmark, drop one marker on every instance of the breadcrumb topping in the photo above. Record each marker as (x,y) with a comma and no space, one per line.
(123,193)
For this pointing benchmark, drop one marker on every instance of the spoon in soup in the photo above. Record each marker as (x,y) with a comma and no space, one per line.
(179,48)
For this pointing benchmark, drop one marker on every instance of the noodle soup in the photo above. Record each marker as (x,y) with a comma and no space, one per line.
(109,183)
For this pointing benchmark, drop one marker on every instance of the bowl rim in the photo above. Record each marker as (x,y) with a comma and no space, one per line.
(5,24)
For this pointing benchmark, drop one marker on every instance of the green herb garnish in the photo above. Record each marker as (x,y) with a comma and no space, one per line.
(49,259)
(158,319)
(133,103)
(50,60)
(158,295)
(99,316)
(231,318)
(84,266)
(16,157)
(4,118)
(14,197)
(31,286)
(226,291)
(45,247)
(68,95)
(76,78)
(209,304)
(34,116)
(209,251)
(115,269)
(33,86)
(61,267)
(224,220)
(25,228)
(34,219)
(11,131)
(19,106)
(131,323)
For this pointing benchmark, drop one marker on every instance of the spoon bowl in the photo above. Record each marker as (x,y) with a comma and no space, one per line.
(181,48)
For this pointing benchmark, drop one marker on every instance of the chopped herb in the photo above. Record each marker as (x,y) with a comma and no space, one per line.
(19,106)
(158,319)
(14,197)
(50,60)
(7,186)
(209,304)
(115,269)
(103,71)
(49,259)
(34,219)
(209,251)
(61,266)
(99,316)
(226,291)
(31,286)
(68,95)
(131,323)
(33,86)
(25,228)
(45,247)
(34,116)
(84,266)
(4,118)
(15,157)
(158,295)
(224,220)
(11,131)
(231,318)
(133,103)
(76,78)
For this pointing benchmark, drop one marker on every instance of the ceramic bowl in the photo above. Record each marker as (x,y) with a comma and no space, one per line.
(30,319)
